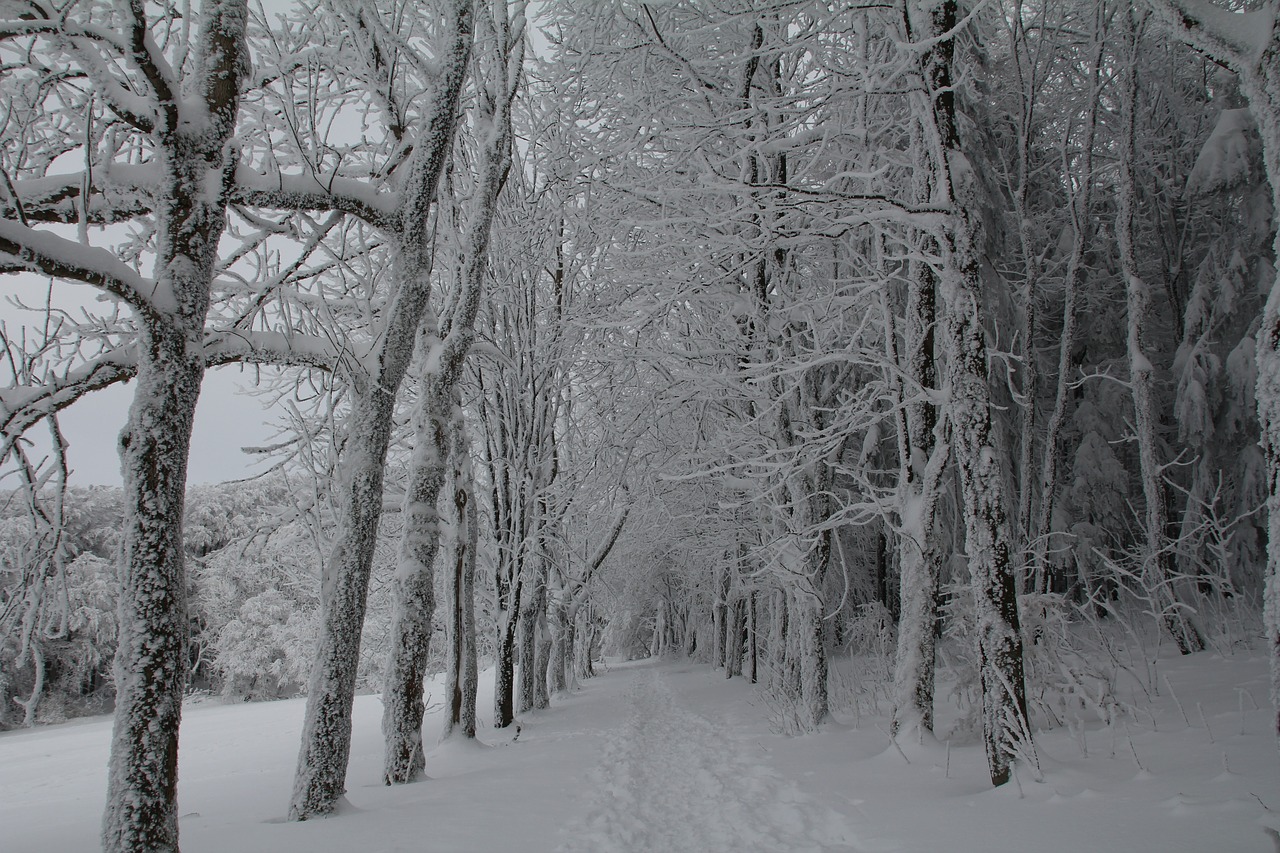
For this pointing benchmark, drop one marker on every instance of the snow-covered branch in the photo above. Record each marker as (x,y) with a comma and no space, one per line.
(22,407)
(32,250)
(278,349)
(316,192)
(1236,39)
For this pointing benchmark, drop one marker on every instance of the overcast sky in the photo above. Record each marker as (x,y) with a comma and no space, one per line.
(226,420)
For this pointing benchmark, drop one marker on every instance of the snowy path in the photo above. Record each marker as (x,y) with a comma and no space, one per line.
(671,780)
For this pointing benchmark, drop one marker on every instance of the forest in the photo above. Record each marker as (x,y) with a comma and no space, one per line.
(831,346)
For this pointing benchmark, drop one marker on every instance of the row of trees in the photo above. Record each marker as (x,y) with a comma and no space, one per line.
(781,304)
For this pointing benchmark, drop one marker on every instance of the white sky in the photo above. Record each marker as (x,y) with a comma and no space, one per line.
(226,420)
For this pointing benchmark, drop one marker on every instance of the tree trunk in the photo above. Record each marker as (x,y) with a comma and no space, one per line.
(528,655)
(720,617)
(320,778)
(541,687)
(413,587)
(920,557)
(557,670)
(504,672)
(151,656)
(734,645)
(810,656)
(461,669)
(980,465)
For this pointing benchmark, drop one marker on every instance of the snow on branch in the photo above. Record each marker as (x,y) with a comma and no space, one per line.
(315,192)
(32,250)
(24,406)
(100,52)
(1236,39)
(279,349)
(21,407)
(118,192)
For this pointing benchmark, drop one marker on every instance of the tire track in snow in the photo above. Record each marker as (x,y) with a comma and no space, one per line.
(673,781)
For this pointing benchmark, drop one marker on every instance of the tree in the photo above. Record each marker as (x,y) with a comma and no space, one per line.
(988,540)
(443,351)
(1158,563)
(420,140)
(172,109)
(461,667)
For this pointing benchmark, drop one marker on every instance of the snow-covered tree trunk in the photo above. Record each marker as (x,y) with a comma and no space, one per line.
(1158,560)
(542,666)
(1253,52)
(461,667)
(558,612)
(504,663)
(196,160)
(530,612)
(806,622)
(320,778)
(443,351)
(980,464)
(920,557)
(720,616)
(151,658)
(734,648)
(587,644)
(413,586)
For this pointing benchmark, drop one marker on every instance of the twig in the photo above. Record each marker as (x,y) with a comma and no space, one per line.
(1176,701)
(894,741)
(1205,720)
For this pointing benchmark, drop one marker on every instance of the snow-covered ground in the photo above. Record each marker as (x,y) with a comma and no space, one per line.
(672,757)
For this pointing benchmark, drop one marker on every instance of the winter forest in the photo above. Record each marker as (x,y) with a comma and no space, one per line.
(855,396)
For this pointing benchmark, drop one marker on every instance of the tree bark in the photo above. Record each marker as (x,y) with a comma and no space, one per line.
(461,672)
(920,557)
(413,587)
(320,778)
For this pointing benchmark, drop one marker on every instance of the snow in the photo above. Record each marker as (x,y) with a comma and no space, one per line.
(1224,162)
(671,756)
(1247,33)
(673,780)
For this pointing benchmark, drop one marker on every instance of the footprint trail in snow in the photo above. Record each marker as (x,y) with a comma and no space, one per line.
(673,782)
